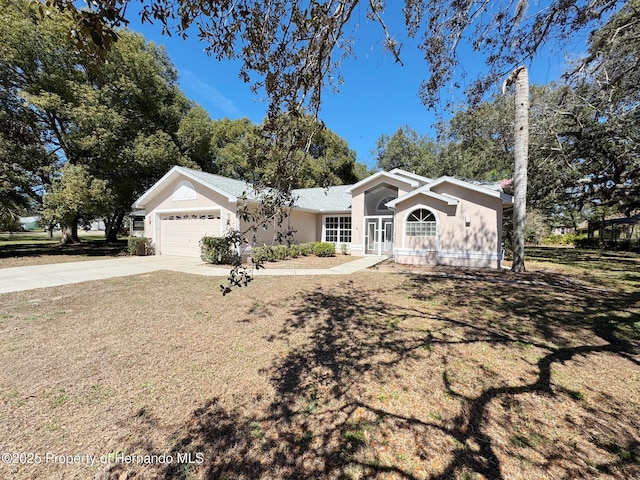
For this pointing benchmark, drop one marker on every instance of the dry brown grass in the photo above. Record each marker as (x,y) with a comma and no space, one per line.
(11,262)
(434,374)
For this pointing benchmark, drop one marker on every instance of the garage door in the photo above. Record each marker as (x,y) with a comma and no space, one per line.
(180,234)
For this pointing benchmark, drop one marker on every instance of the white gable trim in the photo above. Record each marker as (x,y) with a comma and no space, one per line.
(425,192)
(172,175)
(508,199)
(413,176)
(381,175)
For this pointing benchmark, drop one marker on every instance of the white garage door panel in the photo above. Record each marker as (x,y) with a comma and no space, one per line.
(180,234)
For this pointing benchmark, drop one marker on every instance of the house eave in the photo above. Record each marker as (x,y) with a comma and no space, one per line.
(470,186)
(387,175)
(333,210)
(170,176)
(427,193)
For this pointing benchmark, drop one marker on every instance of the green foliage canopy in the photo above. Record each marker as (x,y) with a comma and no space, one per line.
(117,119)
(240,149)
(73,195)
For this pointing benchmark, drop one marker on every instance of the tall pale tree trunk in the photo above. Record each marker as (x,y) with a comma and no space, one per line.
(520,79)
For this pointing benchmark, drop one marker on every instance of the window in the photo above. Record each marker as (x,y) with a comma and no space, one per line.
(381,204)
(184,191)
(337,229)
(421,223)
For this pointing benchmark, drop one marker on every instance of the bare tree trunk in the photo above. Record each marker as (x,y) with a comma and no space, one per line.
(520,79)
(70,233)
(67,237)
(112,225)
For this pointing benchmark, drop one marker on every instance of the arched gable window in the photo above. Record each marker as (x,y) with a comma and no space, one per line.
(421,223)
(184,191)
(381,204)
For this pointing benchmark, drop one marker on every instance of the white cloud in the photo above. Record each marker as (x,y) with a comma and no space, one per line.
(206,95)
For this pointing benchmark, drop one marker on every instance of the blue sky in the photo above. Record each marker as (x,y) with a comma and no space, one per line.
(377,97)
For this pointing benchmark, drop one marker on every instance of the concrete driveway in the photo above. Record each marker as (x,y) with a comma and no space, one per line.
(40,276)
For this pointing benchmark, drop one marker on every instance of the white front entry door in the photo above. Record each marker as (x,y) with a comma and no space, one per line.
(378,235)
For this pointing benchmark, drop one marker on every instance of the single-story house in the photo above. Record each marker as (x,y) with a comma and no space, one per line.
(417,220)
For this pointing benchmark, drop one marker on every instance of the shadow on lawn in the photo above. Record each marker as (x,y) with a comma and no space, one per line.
(311,430)
(89,248)
(588,259)
(320,423)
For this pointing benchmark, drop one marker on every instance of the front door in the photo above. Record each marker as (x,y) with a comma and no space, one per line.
(378,233)
(387,236)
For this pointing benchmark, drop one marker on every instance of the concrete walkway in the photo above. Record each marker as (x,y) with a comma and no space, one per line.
(40,276)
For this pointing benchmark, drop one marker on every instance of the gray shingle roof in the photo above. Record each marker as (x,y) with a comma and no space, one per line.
(332,199)
(229,185)
(486,184)
(319,199)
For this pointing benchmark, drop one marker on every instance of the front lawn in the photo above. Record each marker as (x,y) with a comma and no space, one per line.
(437,373)
(35,248)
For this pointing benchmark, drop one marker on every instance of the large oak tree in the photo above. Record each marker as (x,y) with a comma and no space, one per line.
(118,121)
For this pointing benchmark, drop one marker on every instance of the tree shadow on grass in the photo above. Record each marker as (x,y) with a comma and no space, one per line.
(88,248)
(323,422)
(311,428)
(553,318)
(615,261)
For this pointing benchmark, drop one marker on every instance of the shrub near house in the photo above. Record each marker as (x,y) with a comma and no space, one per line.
(140,246)
(273,253)
(217,250)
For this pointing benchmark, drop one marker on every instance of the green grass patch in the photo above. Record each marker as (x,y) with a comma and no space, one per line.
(575,394)
(36,248)
(531,440)
(256,430)
(628,453)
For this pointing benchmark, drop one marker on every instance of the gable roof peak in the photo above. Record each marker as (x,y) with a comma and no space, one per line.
(477,187)
(411,175)
(406,178)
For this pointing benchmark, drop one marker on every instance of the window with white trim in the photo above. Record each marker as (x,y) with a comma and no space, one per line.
(337,229)
(421,223)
